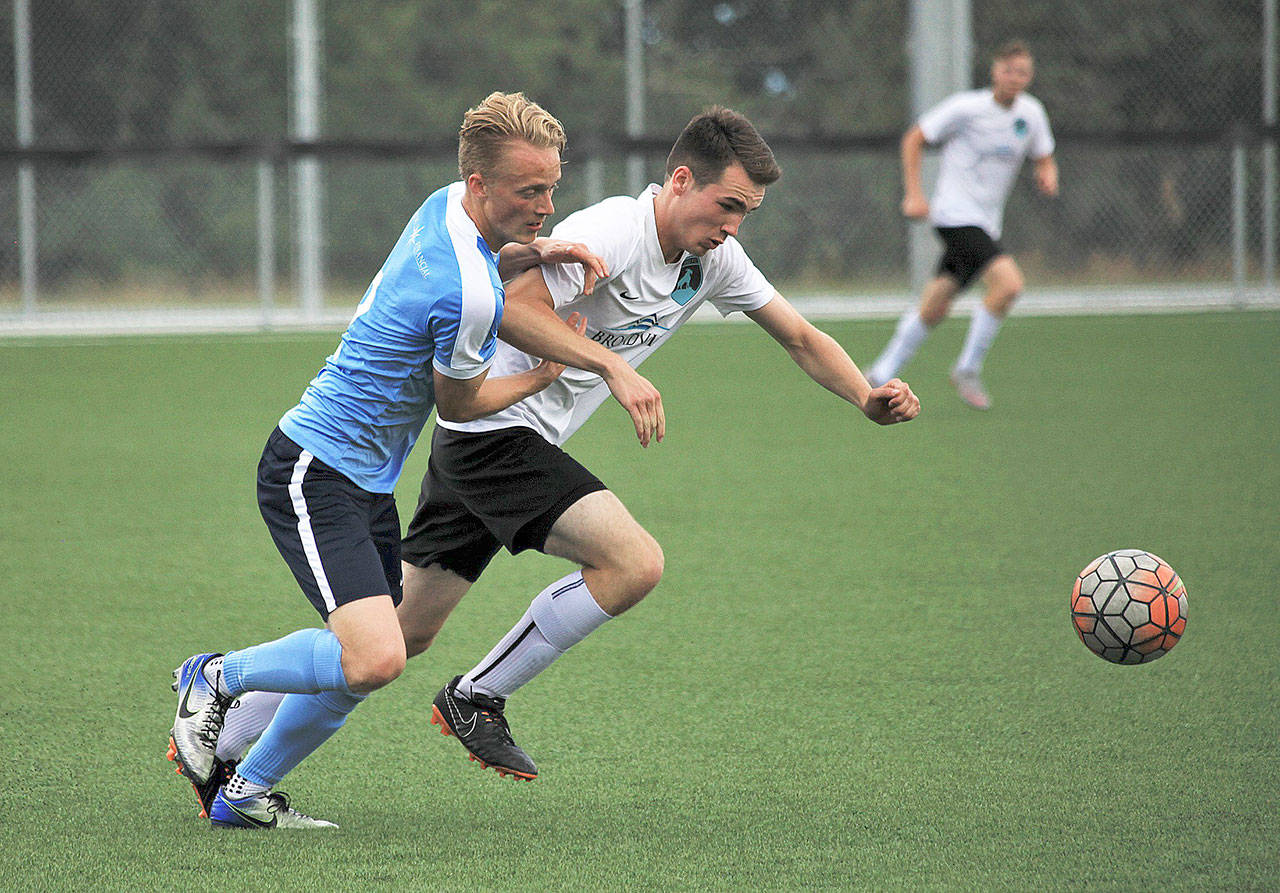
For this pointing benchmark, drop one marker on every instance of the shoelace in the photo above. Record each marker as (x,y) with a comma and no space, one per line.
(211,727)
(491,710)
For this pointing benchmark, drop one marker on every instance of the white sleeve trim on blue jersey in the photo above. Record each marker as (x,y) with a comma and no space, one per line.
(473,344)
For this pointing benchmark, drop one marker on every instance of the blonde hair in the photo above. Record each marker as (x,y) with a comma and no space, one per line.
(500,118)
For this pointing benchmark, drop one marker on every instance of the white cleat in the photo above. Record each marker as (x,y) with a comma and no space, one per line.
(969,387)
(201,711)
(263,812)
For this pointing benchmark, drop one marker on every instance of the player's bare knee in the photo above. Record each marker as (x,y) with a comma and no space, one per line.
(374,667)
(643,571)
(931,316)
(651,567)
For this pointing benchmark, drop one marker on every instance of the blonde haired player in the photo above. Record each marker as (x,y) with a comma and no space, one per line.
(985,135)
(423,337)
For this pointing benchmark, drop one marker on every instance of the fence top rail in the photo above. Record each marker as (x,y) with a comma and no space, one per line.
(612,145)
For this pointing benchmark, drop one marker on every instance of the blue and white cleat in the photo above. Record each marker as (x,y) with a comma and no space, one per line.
(263,812)
(201,711)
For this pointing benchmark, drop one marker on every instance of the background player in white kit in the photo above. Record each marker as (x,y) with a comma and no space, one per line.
(504,481)
(985,135)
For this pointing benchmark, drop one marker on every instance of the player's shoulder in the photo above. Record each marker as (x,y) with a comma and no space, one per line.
(953,111)
(613,227)
(968,100)
(1030,103)
(620,212)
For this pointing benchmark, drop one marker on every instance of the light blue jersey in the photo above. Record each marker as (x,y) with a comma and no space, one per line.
(436,303)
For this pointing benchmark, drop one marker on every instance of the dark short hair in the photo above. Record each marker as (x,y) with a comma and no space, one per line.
(1011,48)
(717,138)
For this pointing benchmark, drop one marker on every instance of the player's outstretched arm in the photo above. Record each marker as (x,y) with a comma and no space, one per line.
(530,323)
(515,258)
(825,361)
(914,204)
(465,400)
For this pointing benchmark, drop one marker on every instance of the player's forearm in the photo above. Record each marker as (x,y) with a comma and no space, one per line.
(912,159)
(495,394)
(514,259)
(826,362)
(1047,175)
(535,329)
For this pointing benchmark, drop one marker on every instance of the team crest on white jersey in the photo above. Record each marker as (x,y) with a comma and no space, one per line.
(689,282)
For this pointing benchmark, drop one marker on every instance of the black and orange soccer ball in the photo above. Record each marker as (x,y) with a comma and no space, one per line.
(1129,606)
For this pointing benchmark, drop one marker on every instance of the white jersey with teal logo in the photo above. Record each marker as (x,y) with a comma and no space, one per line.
(983,145)
(435,304)
(633,312)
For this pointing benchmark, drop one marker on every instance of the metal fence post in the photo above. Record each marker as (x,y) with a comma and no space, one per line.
(1239,259)
(266,239)
(24,105)
(1269,146)
(634,25)
(940,48)
(306,127)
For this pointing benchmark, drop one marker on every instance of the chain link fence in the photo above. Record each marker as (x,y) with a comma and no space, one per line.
(163,164)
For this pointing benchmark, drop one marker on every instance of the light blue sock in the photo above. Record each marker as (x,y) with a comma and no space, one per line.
(305,662)
(302,724)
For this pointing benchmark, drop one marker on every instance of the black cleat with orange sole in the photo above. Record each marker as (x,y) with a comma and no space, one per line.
(478,723)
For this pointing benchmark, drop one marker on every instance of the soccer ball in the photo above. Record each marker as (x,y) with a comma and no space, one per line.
(1129,607)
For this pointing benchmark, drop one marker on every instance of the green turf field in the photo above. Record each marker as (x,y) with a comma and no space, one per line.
(857,672)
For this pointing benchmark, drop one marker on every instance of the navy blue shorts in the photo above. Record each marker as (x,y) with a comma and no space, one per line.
(490,489)
(967,251)
(341,541)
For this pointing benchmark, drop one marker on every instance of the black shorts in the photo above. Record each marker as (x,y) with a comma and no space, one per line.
(341,541)
(968,250)
(490,489)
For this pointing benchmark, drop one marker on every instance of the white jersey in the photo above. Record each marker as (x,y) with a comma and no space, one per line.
(633,312)
(984,144)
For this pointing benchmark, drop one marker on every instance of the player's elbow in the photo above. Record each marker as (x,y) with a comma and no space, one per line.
(458,411)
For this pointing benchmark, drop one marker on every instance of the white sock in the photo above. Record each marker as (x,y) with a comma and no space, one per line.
(906,340)
(247,716)
(240,787)
(560,616)
(982,331)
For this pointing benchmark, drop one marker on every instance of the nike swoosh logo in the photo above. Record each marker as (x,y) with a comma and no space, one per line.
(183,712)
(250,819)
(628,297)
(471,724)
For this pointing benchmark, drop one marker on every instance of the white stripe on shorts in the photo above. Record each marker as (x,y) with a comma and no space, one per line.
(304,529)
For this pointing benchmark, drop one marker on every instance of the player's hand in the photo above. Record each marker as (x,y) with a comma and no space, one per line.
(891,403)
(558,251)
(915,207)
(546,371)
(639,398)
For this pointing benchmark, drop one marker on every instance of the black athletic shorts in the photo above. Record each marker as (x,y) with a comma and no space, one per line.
(490,489)
(968,250)
(341,541)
